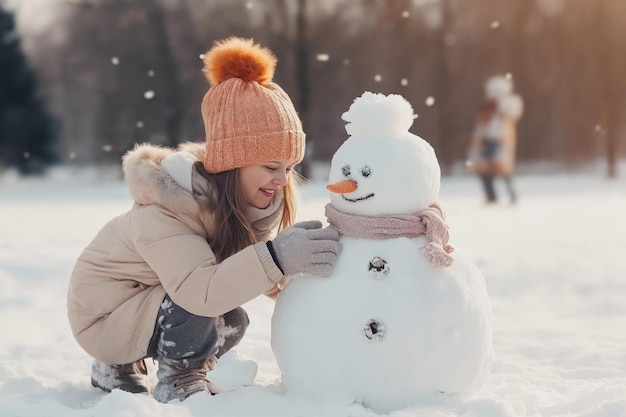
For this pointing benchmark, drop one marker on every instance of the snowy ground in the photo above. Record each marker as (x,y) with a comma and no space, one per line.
(554,266)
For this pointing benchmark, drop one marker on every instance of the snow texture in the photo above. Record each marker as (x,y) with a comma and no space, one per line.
(553,265)
(436,336)
(413,331)
(378,116)
(385,159)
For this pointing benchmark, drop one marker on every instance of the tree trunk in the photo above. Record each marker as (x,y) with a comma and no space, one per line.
(443,81)
(302,74)
(609,94)
(170,76)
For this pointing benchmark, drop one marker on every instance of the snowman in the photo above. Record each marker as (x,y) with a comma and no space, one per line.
(403,314)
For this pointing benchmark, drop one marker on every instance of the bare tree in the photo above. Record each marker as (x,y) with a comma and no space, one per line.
(170,85)
(303,82)
(443,82)
(607,38)
(566,62)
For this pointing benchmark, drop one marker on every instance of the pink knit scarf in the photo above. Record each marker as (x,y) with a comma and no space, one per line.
(429,222)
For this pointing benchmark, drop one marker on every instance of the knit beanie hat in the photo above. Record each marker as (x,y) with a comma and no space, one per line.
(248,119)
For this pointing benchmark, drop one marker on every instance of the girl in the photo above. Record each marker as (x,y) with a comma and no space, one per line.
(166,279)
(493,142)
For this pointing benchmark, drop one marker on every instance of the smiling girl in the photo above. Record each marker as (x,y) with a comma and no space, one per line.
(166,280)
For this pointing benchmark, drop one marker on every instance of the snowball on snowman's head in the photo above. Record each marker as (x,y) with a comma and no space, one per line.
(382,168)
(378,116)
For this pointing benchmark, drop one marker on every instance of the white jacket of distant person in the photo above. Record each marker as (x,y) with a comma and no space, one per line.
(494,140)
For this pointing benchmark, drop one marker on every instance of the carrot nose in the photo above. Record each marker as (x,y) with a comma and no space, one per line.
(342,187)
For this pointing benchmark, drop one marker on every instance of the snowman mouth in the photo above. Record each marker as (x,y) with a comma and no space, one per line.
(354,200)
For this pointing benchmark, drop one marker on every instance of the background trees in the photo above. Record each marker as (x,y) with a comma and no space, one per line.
(27,131)
(117,72)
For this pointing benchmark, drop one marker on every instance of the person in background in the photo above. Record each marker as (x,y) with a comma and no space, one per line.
(492,147)
(211,228)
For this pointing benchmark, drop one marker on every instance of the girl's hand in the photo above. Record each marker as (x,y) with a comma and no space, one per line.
(307,248)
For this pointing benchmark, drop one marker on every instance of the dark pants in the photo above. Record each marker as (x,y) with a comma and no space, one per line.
(489,152)
(179,334)
(490,191)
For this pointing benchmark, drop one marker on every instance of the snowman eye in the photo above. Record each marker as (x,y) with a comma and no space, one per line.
(345,170)
(366,171)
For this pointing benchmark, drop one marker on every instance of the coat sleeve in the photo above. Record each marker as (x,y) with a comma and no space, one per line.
(188,270)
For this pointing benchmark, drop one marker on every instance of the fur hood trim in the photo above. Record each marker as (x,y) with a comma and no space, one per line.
(158,175)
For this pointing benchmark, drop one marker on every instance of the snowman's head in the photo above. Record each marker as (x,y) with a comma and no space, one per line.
(382,168)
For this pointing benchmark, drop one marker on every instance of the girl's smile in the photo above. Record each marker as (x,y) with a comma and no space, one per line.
(260,182)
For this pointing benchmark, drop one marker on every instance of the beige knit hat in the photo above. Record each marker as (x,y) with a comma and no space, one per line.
(248,119)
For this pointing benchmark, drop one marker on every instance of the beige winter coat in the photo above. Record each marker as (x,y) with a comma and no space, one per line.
(158,247)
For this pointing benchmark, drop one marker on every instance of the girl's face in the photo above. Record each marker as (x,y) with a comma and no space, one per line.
(261,181)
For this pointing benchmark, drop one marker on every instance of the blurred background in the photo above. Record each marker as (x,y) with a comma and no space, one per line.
(82,81)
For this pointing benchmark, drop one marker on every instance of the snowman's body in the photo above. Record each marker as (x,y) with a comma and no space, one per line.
(387,327)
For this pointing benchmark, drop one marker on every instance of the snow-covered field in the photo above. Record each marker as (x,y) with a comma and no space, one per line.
(554,264)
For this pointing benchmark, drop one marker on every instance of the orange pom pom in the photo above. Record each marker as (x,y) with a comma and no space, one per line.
(239,58)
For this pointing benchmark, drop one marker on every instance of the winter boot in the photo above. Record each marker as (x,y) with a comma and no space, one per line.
(179,378)
(132,377)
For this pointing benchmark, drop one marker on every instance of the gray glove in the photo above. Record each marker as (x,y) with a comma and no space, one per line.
(306,247)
